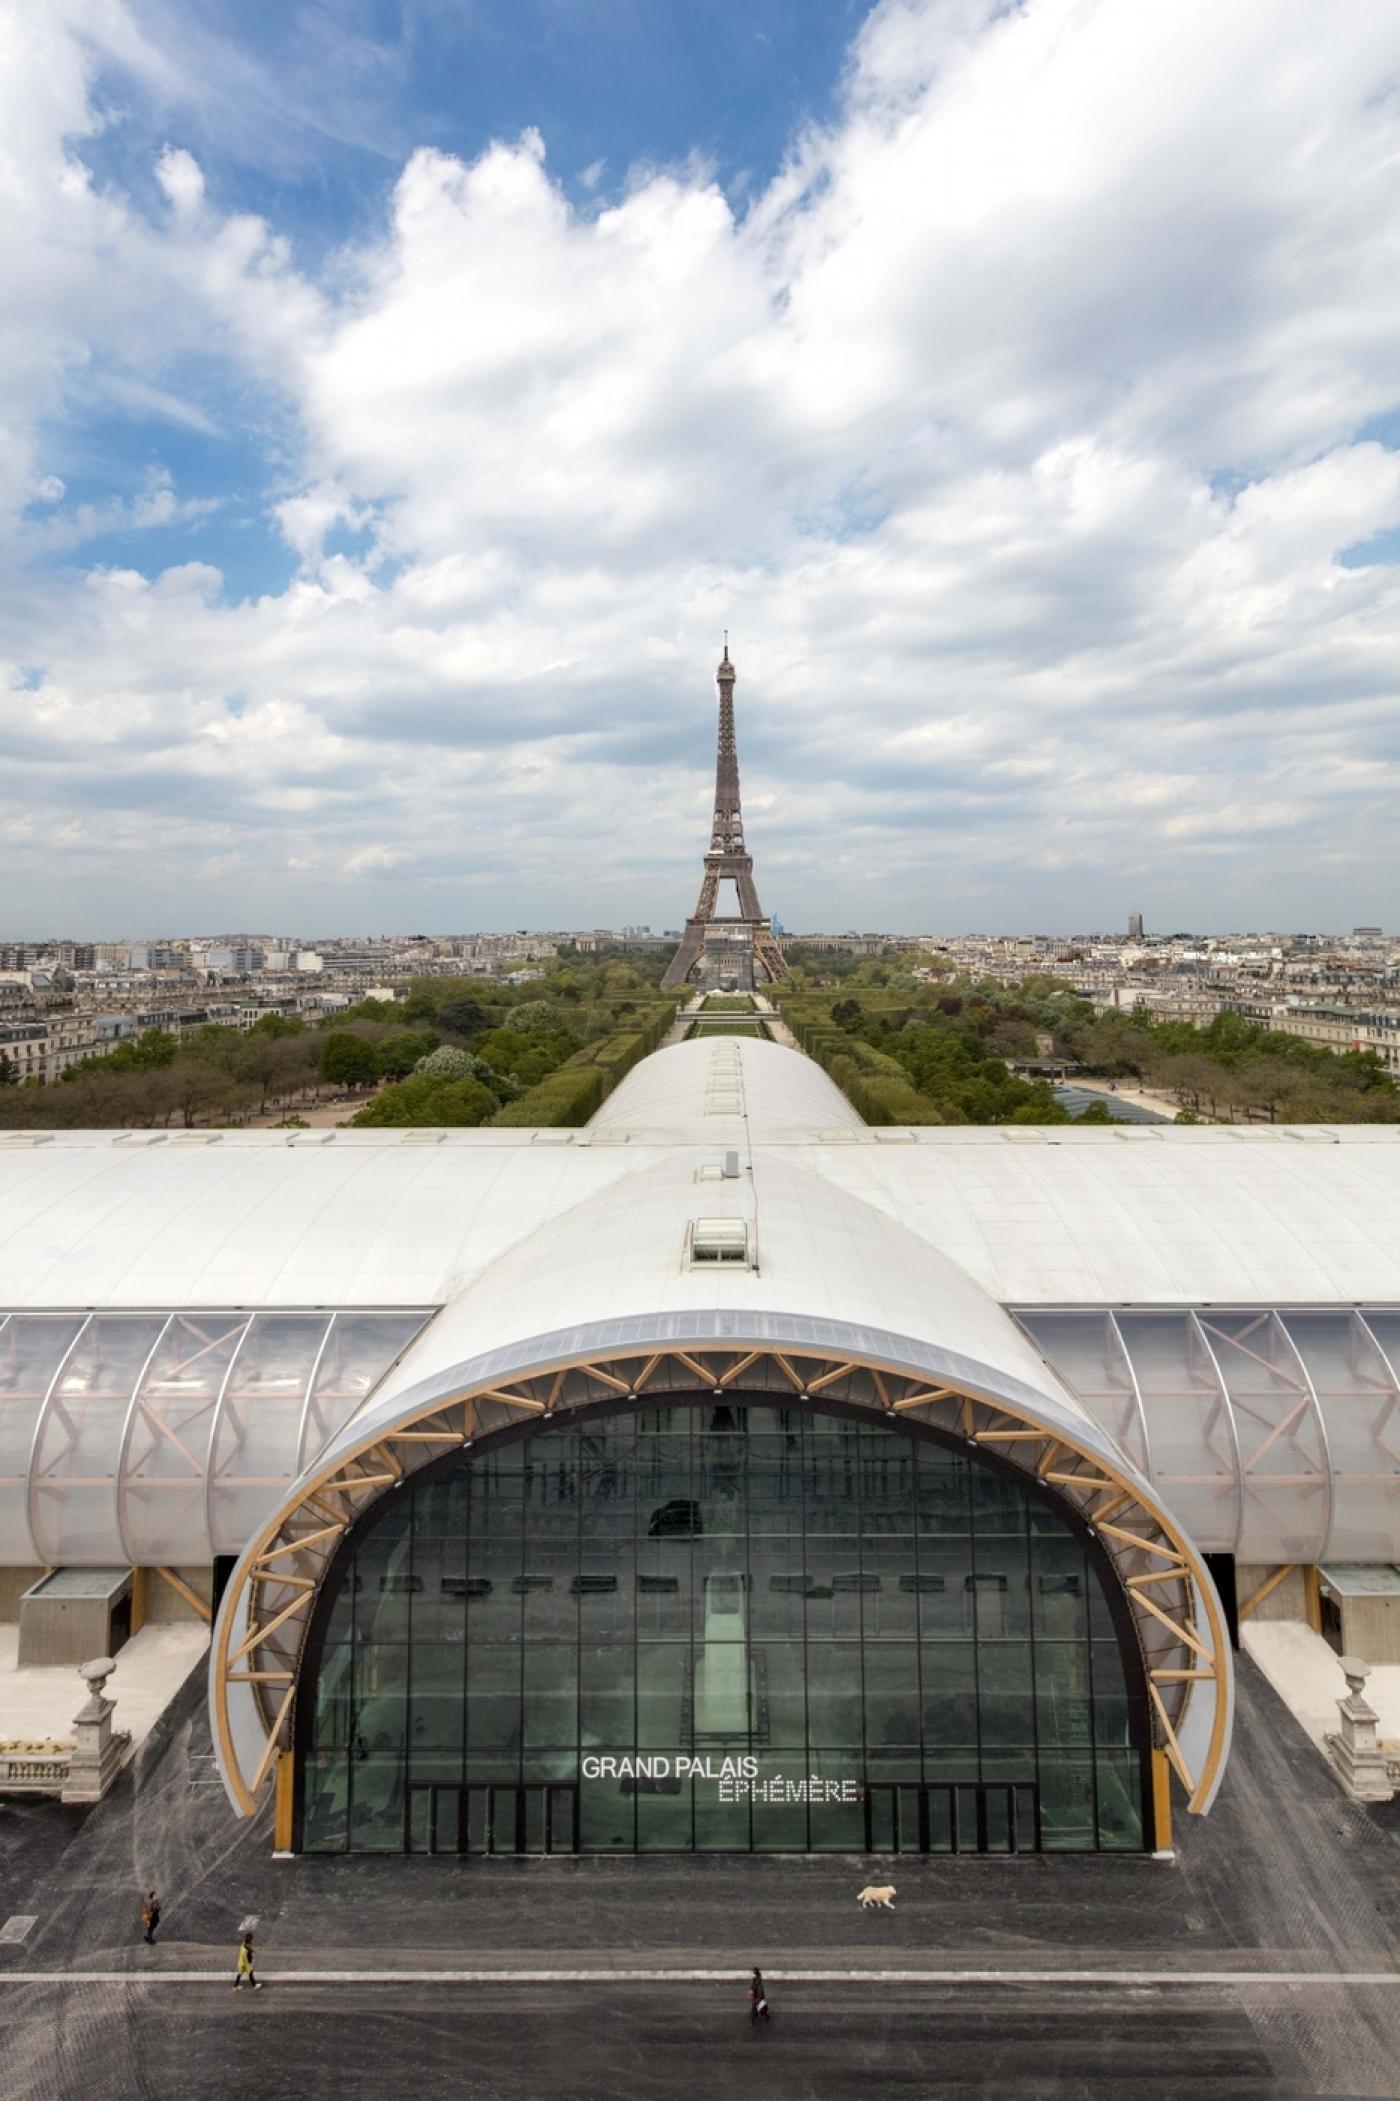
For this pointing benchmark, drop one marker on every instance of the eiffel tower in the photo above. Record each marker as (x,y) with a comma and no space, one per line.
(713,948)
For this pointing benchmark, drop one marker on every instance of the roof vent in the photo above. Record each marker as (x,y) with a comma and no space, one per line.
(719,1240)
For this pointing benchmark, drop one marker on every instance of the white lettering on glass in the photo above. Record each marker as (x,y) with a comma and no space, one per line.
(737,1778)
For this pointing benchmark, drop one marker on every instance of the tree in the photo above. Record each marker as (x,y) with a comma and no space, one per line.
(269,1059)
(296,1065)
(152,1049)
(506,1050)
(1193,1078)
(347,1060)
(401,1051)
(148,1052)
(216,1045)
(446,1063)
(539,1017)
(1012,1037)
(462,1102)
(1096,1112)
(421,1100)
(378,1010)
(463,1015)
(194,1088)
(1265,1082)
(9,1071)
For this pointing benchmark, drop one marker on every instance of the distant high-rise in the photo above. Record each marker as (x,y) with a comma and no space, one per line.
(738,950)
(1135,926)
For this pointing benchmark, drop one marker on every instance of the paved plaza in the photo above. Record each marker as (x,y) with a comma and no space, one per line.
(1262,1962)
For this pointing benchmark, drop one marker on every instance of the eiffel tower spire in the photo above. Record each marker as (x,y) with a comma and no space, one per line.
(742,948)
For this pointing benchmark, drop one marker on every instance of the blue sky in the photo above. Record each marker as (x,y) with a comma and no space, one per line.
(399,400)
(304,114)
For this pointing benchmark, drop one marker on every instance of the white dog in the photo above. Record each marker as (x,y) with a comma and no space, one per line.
(877,1896)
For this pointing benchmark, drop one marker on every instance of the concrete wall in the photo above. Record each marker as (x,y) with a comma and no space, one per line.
(14,1582)
(165,1607)
(1371,1628)
(57,1630)
(1286,1601)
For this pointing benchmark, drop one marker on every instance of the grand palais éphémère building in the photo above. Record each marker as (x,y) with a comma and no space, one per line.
(724,1475)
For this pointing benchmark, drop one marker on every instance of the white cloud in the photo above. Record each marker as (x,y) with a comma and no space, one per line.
(145,400)
(182,179)
(376,860)
(1015,432)
(154,502)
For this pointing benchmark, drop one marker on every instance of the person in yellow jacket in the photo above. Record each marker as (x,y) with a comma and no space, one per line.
(245,1965)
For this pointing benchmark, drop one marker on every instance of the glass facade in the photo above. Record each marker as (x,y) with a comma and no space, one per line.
(718,1627)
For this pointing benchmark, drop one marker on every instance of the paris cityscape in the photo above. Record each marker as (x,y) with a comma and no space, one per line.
(699,1050)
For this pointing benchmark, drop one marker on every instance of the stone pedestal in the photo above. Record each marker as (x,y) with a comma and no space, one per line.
(1355,1750)
(98,1749)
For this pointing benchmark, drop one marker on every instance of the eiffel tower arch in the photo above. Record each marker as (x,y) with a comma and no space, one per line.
(714,948)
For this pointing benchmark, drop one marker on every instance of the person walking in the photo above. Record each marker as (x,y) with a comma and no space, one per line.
(245,1965)
(758,1998)
(150,1917)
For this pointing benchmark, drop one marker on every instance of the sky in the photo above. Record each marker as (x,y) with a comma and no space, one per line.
(399,399)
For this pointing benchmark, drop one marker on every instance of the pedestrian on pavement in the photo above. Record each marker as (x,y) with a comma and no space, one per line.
(245,1965)
(150,1917)
(758,1998)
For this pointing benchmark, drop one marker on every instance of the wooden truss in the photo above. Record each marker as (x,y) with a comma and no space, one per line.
(262,1626)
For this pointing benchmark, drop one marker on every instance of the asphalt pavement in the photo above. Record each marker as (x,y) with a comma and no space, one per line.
(1263,1961)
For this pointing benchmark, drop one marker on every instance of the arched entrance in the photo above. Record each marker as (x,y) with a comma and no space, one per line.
(722,1622)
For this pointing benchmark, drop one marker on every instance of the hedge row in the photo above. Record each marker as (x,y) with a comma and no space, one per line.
(576,1089)
(800,1002)
(876,1085)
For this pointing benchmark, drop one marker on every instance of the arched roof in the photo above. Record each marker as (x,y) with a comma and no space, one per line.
(1138,1215)
(616,1257)
(685,1092)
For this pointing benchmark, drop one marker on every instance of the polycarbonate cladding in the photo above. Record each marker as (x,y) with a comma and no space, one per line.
(1271,1434)
(165,1437)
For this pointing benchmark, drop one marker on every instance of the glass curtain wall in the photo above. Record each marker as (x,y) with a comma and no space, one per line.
(724,1628)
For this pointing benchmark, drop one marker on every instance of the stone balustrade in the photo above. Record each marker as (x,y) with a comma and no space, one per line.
(34,1767)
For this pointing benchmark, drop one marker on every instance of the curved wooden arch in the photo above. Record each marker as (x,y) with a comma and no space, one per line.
(262,1624)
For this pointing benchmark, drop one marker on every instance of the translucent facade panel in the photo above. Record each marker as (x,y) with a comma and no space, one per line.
(719,1628)
(359,1350)
(1352,1361)
(32,1347)
(1188,1425)
(257,1440)
(1087,1350)
(1286,1502)
(120,1432)
(1274,1433)
(72,1490)
(165,1466)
